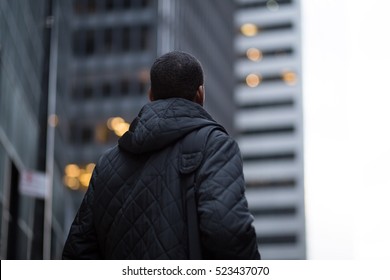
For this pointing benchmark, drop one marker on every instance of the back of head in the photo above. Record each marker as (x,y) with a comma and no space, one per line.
(176,74)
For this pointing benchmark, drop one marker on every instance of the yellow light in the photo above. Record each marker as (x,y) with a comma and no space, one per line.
(72,170)
(253,80)
(254,54)
(121,128)
(289,78)
(71,183)
(249,29)
(114,122)
(85,178)
(101,133)
(89,168)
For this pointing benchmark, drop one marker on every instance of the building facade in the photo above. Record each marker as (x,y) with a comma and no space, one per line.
(269,124)
(25,30)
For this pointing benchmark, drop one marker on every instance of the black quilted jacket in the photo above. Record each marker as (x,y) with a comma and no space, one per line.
(133,207)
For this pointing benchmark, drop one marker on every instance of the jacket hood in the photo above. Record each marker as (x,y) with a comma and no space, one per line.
(163,122)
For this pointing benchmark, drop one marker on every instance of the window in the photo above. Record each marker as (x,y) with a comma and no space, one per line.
(91,6)
(76,94)
(81,7)
(87,92)
(111,40)
(255,54)
(81,133)
(144,37)
(139,87)
(90,42)
(101,134)
(125,39)
(268,104)
(106,90)
(108,40)
(281,156)
(109,88)
(274,211)
(74,133)
(251,29)
(277,239)
(81,92)
(109,5)
(276,183)
(263,4)
(145,3)
(78,42)
(127,4)
(87,135)
(271,130)
(124,86)
(255,79)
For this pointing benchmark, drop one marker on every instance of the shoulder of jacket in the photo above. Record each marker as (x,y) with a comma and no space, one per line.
(108,156)
(218,135)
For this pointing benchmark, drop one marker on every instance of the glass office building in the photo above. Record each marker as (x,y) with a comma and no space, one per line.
(269,123)
(25,30)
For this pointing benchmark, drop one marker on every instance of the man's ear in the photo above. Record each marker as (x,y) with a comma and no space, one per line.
(200,95)
(150,94)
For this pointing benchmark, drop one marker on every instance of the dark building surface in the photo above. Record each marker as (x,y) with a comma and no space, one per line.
(25,29)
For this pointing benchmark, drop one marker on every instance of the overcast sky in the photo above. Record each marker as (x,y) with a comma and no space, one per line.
(346,80)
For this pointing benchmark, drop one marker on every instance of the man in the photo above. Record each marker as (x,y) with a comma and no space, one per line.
(134,206)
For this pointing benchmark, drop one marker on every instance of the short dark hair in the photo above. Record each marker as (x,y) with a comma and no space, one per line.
(176,74)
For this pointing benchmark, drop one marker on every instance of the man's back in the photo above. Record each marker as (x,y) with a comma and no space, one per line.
(138,207)
(134,206)
(135,197)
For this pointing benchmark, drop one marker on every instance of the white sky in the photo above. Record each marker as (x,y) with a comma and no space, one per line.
(346,79)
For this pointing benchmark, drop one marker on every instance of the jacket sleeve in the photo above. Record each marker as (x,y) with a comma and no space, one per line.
(225,223)
(82,240)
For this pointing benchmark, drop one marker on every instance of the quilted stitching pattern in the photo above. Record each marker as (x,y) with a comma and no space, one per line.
(144,216)
(134,209)
(223,209)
